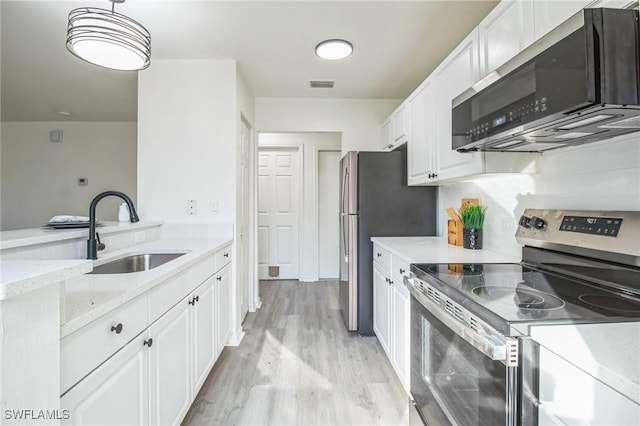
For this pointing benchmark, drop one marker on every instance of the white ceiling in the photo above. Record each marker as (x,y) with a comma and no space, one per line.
(396,45)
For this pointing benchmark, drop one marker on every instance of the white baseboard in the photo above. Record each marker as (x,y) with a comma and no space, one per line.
(236,338)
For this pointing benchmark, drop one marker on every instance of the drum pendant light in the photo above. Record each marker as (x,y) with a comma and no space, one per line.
(108,39)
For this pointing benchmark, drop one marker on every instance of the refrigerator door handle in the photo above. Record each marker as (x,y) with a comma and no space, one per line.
(345,178)
(344,216)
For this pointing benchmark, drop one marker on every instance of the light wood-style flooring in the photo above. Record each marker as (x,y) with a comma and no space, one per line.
(297,365)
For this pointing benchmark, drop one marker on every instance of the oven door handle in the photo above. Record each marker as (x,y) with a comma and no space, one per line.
(495,346)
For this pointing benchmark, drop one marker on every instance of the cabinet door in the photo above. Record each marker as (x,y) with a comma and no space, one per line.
(203,342)
(399,124)
(385,136)
(116,393)
(223,303)
(170,378)
(381,306)
(422,124)
(455,75)
(548,14)
(507,30)
(400,332)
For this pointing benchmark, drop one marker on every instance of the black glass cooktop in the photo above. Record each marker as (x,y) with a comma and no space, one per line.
(516,293)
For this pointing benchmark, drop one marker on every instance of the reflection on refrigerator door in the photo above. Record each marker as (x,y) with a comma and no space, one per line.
(348,272)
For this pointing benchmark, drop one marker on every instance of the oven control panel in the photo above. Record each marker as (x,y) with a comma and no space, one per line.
(607,226)
(616,232)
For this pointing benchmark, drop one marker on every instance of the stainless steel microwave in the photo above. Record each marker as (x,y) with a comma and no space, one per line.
(580,83)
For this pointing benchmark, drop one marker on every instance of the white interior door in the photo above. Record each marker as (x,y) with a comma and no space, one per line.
(278,213)
(242,257)
(328,214)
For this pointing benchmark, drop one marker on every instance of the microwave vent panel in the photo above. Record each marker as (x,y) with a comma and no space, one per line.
(627,123)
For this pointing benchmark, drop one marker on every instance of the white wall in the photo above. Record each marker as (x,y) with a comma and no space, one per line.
(187,140)
(189,114)
(40,178)
(357,119)
(312,143)
(599,176)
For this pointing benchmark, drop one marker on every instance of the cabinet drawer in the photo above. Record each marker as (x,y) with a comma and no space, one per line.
(400,269)
(223,256)
(382,257)
(84,350)
(166,295)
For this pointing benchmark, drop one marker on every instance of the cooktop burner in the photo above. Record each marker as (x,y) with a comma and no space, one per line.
(505,293)
(613,303)
(523,298)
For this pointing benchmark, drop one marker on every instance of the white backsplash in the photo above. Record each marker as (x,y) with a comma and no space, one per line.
(598,176)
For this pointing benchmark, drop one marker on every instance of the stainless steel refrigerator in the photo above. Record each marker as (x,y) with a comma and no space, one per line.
(375,201)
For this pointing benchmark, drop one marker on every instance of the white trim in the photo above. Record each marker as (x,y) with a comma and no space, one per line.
(236,338)
(316,200)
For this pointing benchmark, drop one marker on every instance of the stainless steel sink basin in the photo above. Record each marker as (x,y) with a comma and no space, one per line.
(135,263)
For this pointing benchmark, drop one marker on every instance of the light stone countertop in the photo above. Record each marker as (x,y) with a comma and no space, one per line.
(89,297)
(22,276)
(608,352)
(26,237)
(437,250)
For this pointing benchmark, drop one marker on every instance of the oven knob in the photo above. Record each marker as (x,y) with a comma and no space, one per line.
(538,223)
(525,222)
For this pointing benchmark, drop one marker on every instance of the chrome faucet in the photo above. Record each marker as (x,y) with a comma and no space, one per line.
(92,246)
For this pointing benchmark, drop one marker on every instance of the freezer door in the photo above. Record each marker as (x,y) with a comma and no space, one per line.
(348,288)
(349,183)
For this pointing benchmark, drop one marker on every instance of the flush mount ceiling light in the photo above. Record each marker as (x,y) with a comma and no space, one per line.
(334,49)
(108,39)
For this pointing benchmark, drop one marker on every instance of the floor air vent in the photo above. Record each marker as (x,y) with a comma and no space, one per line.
(322,84)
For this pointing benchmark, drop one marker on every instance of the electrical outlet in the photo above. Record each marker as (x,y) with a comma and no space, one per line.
(192,207)
(507,225)
(215,207)
(139,237)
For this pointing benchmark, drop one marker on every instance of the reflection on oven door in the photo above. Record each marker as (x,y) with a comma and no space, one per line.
(451,381)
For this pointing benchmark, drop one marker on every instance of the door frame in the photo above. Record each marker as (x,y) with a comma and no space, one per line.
(316,202)
(299,150)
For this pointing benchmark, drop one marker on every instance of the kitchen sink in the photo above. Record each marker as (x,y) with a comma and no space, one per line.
(135,263)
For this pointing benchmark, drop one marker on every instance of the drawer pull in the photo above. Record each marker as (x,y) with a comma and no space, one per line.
(219,278)
(194,300)
(148,342)
(226,255)
(379,254)
(117,328)
(402,271)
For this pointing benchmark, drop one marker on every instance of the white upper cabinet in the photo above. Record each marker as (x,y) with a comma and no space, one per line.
(548,14)
(385,136)
(399,124)
(506,31)
(455,75)
(421,144)
(394,129)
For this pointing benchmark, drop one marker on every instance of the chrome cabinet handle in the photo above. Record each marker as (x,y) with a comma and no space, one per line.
(402,271)
(226,255)
(117,328)
(219,278)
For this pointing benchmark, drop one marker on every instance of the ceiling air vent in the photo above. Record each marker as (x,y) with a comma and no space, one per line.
(322,84)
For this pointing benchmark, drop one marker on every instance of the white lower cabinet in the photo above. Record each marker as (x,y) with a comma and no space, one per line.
(381,305)
(116,393)
(391,313)
(223,305)
(155,377)
(400,334)
(169,348)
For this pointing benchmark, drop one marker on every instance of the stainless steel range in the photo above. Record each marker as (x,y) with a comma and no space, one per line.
(472,359)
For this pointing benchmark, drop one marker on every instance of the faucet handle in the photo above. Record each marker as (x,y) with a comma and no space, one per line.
(100,246)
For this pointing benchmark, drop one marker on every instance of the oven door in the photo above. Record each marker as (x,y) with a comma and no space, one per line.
(453,382)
